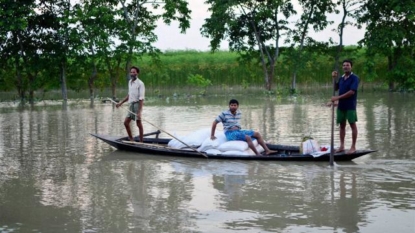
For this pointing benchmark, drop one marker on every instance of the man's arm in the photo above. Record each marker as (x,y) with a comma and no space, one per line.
(344,96)
(212,132)
(122,101)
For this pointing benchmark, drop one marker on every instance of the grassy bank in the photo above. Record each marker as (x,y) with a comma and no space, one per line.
(189,93)
(202,73)
(224,69)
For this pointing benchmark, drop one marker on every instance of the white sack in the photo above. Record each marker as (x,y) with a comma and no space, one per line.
(213,144)
(193,139)
(233,145)
(213,152)
(236,152)
(174,143)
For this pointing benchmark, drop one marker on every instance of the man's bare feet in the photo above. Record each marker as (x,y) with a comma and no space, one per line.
(266,153)
(338,150)
(270,152)
(351,151)
(131,139)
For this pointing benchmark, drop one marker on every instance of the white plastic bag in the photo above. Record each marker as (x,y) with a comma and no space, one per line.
(309,146)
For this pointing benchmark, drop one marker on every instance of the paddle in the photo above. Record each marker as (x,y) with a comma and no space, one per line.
(332,126)
(161,130)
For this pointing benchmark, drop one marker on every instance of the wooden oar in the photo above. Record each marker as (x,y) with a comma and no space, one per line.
(332,126)
(162,130)
(151,145)
(143,144)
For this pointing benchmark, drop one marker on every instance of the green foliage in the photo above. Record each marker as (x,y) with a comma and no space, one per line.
(91,42)
(245,84)
(390,33)
(252,28)
(35,34)
(198,81)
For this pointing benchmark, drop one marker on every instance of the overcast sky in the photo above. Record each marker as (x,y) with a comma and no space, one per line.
(170,38)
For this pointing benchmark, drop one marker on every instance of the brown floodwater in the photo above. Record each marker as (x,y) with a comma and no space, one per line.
(55,177)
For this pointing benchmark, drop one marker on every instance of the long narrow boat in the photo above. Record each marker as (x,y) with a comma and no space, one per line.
(158,146)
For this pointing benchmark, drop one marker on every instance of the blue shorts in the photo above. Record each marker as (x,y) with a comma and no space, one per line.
(238,135)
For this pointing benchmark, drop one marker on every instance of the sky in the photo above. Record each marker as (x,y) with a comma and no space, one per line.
(170,38)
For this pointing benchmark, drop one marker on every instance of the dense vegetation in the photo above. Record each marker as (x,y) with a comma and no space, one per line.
(89,44)
(222,68)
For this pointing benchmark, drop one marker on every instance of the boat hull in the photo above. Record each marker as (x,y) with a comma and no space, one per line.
(158,147)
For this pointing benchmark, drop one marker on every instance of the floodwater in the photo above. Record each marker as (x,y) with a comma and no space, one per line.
(55,177)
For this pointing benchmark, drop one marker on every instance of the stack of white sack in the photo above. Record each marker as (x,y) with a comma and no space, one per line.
(194,139)
(201,139)
(224,147)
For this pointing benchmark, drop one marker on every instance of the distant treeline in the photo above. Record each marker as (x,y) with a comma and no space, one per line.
(189,68)
(89,45)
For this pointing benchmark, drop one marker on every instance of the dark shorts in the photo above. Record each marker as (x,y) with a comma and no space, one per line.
(349,115)
(238,135)
(133,107)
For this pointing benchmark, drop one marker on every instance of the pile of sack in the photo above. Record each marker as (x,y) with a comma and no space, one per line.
(200,139)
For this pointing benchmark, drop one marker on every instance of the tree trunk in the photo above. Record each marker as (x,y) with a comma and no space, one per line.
(300,50)
(31,96)
(128,65)
(294,81)
(91,81)
(271,74)
(113,86)
(31,88)
(391,84)
(19,81)
(261,48)
(267,83)
(63,81)
(341,29)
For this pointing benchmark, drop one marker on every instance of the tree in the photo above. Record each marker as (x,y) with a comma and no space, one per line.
(390,31)
(314,15)
(63,39)
(23,34)
(348,7)
(252,28)
(140,17)
(100,27)
(13,22)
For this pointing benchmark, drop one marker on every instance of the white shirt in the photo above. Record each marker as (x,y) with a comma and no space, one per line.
(136,90)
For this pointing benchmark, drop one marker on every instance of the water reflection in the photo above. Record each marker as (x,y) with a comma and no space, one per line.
(271,197)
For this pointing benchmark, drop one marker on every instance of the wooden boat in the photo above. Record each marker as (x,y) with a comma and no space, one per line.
(158,146)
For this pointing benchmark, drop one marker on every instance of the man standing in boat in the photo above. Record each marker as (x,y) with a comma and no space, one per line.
(230,120)
(135,98)
(347,101)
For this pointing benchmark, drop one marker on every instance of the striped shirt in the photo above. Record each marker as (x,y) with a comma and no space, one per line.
(229,120)
(136,90)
